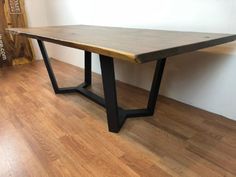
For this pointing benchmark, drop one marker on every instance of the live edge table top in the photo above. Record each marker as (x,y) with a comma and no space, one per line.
(134,45)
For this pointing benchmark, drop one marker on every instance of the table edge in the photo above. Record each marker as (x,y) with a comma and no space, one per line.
(83,46)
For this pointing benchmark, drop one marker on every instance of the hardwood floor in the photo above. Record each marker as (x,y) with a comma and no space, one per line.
(48,135)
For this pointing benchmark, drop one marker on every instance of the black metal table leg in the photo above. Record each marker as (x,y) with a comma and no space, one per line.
(109,86)
(155,85)
(116,116)
(48,66)
(88,69)
(56,88)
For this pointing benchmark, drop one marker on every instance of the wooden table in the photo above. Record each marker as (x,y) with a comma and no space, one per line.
(132,45)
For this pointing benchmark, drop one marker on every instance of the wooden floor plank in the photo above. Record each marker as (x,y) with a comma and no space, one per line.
(48,135)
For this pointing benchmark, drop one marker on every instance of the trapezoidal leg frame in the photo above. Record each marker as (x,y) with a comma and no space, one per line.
(116,116)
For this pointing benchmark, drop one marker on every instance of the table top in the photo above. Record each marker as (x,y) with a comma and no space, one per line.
(134,45)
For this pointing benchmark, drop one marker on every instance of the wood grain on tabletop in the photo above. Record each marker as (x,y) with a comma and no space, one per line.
(134,45)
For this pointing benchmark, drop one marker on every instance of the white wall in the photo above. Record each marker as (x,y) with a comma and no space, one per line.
(204,79)
(36,16)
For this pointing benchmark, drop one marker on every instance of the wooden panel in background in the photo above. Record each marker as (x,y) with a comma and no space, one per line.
(13,49)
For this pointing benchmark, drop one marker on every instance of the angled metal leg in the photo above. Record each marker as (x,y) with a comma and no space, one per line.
(88,69)
(57,90)
(48,66)
(153,95)
(116,116)
(109,86)
(156,85)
